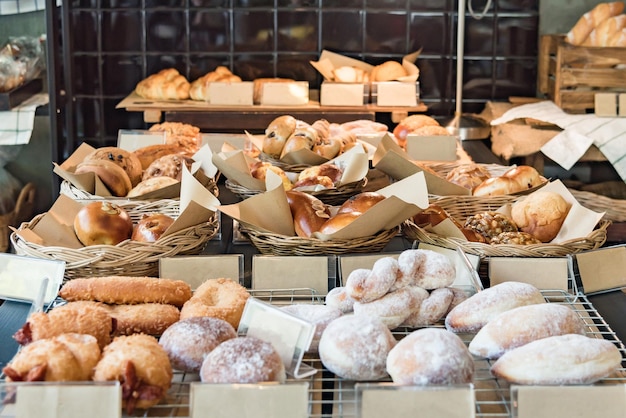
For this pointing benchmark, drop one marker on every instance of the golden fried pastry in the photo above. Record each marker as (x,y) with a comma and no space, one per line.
(65,357)
(218,298)
(143,318)
(81,318)
(142,367)
(126,289)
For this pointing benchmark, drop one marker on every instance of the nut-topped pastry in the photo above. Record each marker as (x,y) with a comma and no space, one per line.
(490,224)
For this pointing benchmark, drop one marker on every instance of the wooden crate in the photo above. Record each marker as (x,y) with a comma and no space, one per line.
(572,75)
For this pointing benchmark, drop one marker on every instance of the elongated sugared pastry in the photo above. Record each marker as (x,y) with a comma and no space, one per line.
(143,318)
(127,290)
(81,318)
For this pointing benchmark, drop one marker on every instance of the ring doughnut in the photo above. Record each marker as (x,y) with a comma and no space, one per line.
(392,309)
(338,297)
(218,298)
(243,360)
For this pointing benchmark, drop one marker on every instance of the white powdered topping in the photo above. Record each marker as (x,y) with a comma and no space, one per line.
(365,285)
(338,298)
(356,347)
(392,309)
(426,268)
(430,356)
(242,360)
(432,309)
(320,315)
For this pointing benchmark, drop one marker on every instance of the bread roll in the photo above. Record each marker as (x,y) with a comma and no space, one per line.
(259,171)
(602,34)
(112,175)
(590,20)
(302,138)
(430,356)
(150,153)
(411,123)
(525,176)
(127,160)
(329,170)
(476,311)
(519,326)
(199,88)
(102,223)
(167,84)
(496,186)
(430,131)
(468,175)
(388,71)
(151,184)
(540,214)
(338,222)
(360,202)
(570,359)
(151,226)
(277,133)
(350,74)
(308,212)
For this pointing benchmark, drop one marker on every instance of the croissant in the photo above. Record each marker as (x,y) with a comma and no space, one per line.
(167,84)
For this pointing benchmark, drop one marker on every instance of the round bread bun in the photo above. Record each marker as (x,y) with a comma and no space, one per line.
(525,176)
(338,222)
(259,170)
(430,356)
(112,175)
(127,160)
(151,184)
(150,153)
(188,341)
(243,360)
(496,186)
(360,202)
(218,298)
(540,214)
(151,226)
(170,165)
(388,71)
(102,223)
(356,347)
(331,171)
(411,123)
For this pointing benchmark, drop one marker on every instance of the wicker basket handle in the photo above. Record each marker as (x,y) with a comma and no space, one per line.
(25,203)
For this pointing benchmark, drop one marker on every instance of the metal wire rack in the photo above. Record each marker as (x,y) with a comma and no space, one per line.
(331,396)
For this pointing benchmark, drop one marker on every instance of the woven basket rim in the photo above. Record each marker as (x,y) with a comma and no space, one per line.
(615,209)
(70,190)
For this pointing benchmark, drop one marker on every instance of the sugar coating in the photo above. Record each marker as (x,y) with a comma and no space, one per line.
(338,298)
(426,268)
(392,309)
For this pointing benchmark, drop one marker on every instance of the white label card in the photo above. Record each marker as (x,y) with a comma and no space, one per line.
(396,94)
(607,401)
(132,139)
(239,93)
(69,401)
(543,273)
(269,400)
(388,400)
(290,336)
(288,272)
(432,148)
(21,277)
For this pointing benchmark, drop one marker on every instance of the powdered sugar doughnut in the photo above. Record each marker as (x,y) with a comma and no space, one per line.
(432,309)
(427,268)
(356,347)
(243,360)
(459,296)
(392,309)
(188,341)
(320,315)
(365,285)
(337,297)
(430,356)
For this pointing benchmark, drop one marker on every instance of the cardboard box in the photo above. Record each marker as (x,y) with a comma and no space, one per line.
(344,94)
(393,93)
(285,94)
(225,93)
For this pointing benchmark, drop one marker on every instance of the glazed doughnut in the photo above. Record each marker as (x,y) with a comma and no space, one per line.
(392,309)
(426,268)
(170,165)
(188,341)
(73,317)
(218,298)
(356,347)
(519,326)
(430,356)
(319,315)
(140,365)
(65,357)
(432,309)
(243,360)
(364,285)
(473,313)
(127,289)
(337,297)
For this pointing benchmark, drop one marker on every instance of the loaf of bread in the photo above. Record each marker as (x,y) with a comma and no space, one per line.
(519,326)
(167,84)
(603,34)
(199,88)
(570,359)
(540,214)
(592,19)
(473,313)
(388,71)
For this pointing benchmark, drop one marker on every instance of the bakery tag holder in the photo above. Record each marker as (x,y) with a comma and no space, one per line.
(568,401)
(132,139)
(290,336)
(61,399)
(29,279)
(375,400)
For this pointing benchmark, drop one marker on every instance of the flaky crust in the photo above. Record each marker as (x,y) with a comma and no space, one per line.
(78,318)
(66,357)
(218,298)
(167,84)
(141,365)
(127,290)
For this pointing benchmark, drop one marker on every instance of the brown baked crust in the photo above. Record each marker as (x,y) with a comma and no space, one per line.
(170,165)
(218,298)
(360,202)
(277,133)
(142,367)
(143,318)
(127,160)
(150,153)
(112,175)
(167,84)
(490,224)
(468,175)
(151,184)
(102,223)
(151,226)
(525,176)
(388,71)
(308,212)
(540,214)
(338,222)
(496,186)
(258,83)
(329,170)
(514,238)
(81,318)
(126,289)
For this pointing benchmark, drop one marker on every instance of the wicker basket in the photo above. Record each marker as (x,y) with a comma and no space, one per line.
(275,244)
(293,168)
(443,168)
(333,197)
(460,207)
(129,258)
(23,210)
(615,208)
(68,189)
